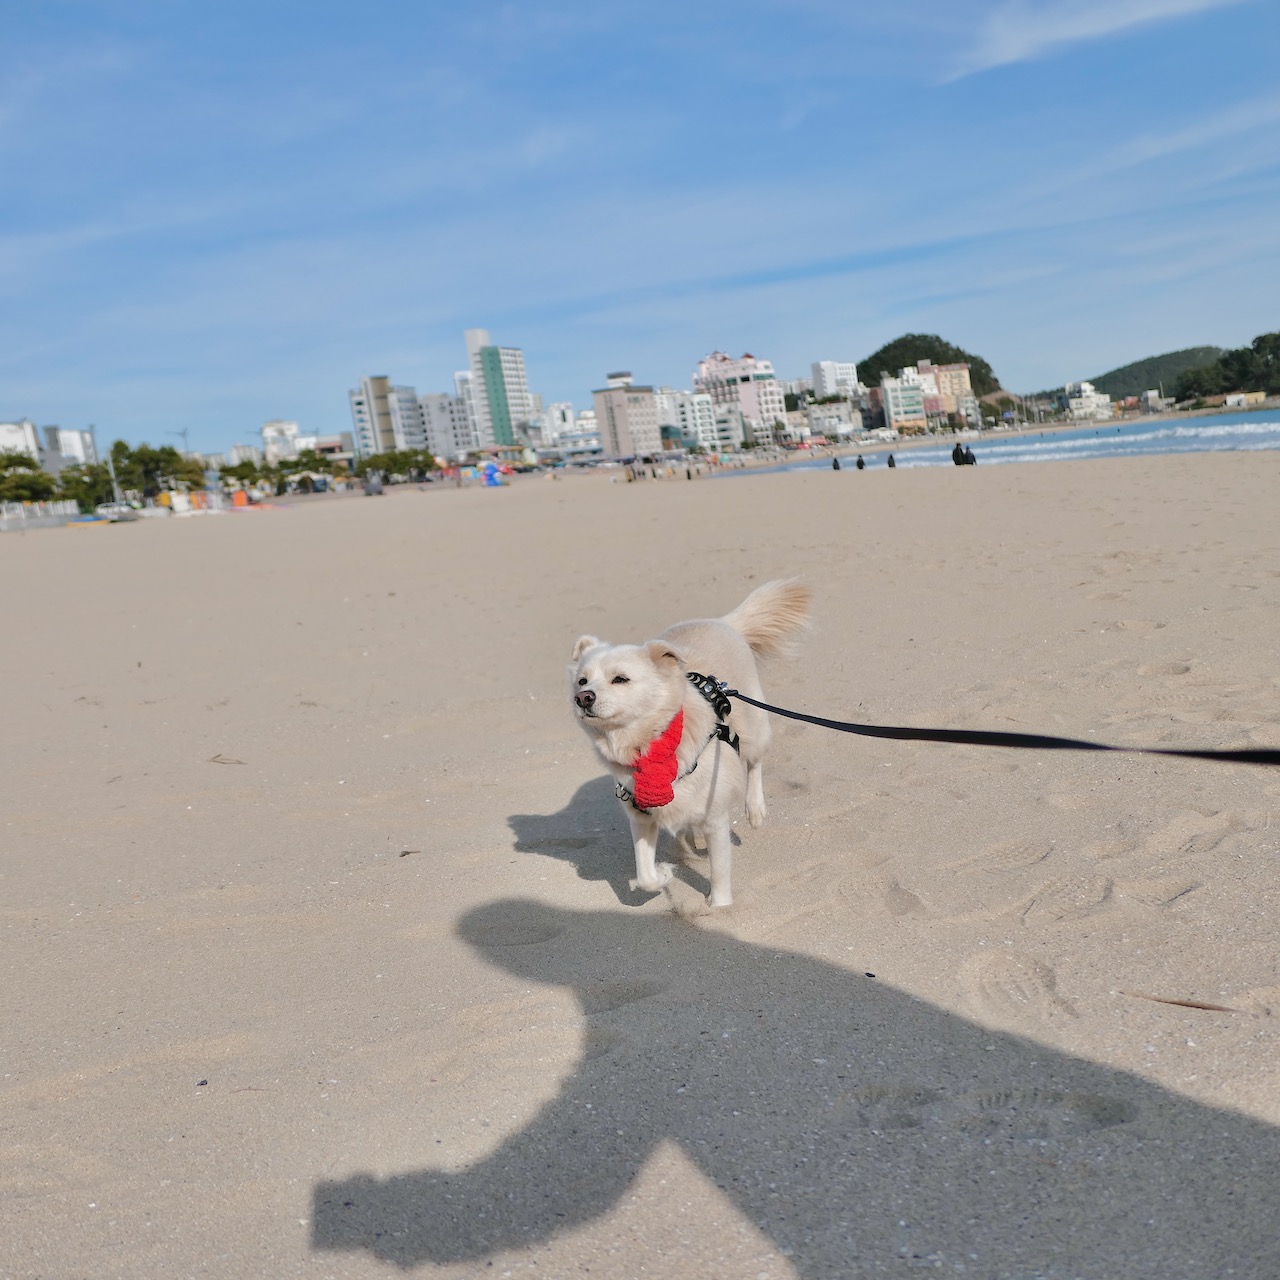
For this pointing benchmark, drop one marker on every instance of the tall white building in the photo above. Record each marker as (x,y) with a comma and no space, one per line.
(21,437)
(408,427)
(68,447)
(627,416)
(903,400)
(692,413)
(834,378)
(371,425)
(280,439)
(557,420)
(730,428)
(500,400)
(747,384)
(245,453)
(447,426)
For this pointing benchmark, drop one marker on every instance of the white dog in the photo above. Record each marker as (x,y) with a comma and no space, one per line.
(678,768)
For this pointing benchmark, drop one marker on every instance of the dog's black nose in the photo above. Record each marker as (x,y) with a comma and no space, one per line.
(584,698)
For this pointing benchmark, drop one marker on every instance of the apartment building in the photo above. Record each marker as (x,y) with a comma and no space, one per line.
(499,399)
(834,378)
(447,427)
(747,384)
(903,400)
(627,418)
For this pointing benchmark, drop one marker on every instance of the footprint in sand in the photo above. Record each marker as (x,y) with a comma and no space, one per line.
(1012,1112)
(1102,850)
(1067,898)
(1193,833)
(1164,669)
(1011,855)
(614,995)
(1006,985)
(883,1107)
(1038,1113)
(902,902)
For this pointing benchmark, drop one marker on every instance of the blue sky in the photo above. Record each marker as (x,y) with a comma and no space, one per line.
(212,215)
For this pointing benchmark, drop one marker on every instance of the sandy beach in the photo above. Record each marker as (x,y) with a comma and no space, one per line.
(321,960)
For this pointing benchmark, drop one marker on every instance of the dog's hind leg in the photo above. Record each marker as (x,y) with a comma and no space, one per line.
(650,875)
(755,794)
(720,847)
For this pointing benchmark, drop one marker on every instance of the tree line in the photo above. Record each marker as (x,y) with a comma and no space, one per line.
(144,471)
(1252,368)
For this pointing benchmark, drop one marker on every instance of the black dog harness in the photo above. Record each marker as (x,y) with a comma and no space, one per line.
(714,692)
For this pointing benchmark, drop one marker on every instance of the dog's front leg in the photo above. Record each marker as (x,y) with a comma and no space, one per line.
(650,876)
(720,847)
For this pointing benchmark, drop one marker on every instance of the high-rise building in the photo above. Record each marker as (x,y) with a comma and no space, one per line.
(747,384)
(903,400)
(408,427)
(557,420)
(280,440)
(500,400)
(834,378)
(692,413)
(372,428)
(21,437)
(68,447)
(627,417)
(448,427)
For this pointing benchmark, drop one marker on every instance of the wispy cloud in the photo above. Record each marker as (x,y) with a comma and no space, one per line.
(1020,30)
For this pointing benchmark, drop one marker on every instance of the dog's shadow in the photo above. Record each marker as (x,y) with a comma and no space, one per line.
(591,834)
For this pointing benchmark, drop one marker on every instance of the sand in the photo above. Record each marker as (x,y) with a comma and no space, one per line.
(321,960)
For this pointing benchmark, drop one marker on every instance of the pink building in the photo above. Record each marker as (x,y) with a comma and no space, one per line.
(749,385)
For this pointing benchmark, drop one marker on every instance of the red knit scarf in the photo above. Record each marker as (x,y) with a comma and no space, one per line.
(656,767)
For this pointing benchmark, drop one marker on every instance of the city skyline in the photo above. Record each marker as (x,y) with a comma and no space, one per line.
(1060,187)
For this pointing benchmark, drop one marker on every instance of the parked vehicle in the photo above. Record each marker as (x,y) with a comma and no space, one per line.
(115,512)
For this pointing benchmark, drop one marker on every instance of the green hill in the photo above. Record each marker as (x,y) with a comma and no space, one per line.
(1148,375)
(912,347)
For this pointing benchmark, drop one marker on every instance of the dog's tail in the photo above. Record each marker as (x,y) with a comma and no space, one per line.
(771,614)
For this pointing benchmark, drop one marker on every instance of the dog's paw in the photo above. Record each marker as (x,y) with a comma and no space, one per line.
(719,900)
(756,813)
(662,876)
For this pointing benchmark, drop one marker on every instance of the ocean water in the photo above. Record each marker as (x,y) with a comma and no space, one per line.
(1218,433)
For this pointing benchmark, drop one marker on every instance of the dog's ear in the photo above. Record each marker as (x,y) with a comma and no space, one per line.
(662,654)
(584,643)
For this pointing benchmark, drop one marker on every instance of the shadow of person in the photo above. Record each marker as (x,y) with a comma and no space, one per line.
(591,834)
(859,1128)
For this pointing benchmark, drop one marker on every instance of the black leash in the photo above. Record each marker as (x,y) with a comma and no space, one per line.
(1026,741)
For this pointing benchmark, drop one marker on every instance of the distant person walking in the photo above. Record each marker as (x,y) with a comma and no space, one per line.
(957,455)
(891,461)
(969,459)
(862,466)
(835,464)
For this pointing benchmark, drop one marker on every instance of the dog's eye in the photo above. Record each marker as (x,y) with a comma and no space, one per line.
(621,680)
(582,680)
